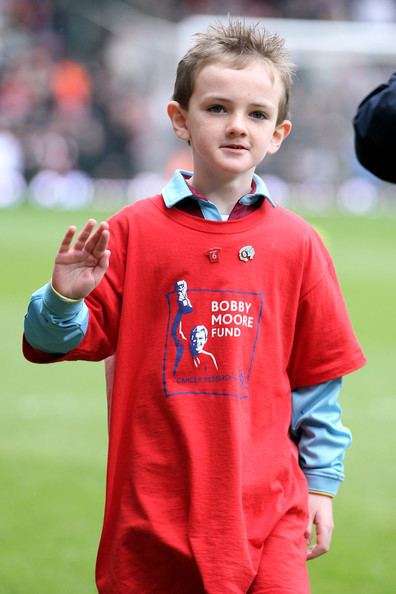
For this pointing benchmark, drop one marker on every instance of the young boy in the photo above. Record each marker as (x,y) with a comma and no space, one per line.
(231,337)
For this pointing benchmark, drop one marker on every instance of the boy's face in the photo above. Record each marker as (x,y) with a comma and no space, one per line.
(231,119)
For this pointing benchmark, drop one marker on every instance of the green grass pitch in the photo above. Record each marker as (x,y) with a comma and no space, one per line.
(53,424)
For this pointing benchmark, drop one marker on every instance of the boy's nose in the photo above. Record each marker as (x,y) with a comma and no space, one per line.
(237,126)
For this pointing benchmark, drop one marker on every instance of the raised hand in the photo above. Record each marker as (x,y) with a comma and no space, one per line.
(79,268)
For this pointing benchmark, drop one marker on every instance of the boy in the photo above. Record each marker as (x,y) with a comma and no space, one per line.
(205,491)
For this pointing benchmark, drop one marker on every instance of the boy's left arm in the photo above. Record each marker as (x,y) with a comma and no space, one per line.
(322,440)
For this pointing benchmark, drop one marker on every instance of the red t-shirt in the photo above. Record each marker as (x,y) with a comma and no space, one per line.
(201,466)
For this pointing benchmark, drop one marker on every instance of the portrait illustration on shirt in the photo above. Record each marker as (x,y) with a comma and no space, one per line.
(190,350)
(210,341)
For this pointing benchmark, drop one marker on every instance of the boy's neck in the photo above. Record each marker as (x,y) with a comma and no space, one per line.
(224,194)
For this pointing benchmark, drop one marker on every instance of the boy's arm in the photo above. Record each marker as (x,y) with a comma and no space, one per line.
(322,441)
(55,324)
(321,437)
(57,317)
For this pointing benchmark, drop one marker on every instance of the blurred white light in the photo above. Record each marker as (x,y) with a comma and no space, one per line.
(313,196)
(278,189)
(11,154)
(12,188)
(76,190)
(50,189)
(145,184)
(357,196)
(110,192)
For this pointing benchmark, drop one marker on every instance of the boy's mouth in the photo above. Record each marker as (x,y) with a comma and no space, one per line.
(238,147)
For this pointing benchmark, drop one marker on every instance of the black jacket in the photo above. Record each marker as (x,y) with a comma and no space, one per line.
(375,131)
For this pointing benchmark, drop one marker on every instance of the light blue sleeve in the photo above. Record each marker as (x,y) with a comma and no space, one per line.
(320,435)
(54,325)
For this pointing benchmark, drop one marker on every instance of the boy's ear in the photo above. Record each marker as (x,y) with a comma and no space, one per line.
(178,117)
(281,132)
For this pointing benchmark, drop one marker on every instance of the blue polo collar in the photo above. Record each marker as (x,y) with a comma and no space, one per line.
(177,189)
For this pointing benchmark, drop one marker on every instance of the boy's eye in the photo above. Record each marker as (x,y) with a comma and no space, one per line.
(216,108)
(258,115)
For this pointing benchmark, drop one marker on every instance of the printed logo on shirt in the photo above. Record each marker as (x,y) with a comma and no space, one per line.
(210,342)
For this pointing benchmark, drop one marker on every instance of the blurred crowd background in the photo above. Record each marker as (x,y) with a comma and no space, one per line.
(84,86)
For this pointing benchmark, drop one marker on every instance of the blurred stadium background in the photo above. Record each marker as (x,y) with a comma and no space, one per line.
(83,90)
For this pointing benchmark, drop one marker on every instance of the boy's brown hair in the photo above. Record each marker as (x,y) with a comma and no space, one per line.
(235,43)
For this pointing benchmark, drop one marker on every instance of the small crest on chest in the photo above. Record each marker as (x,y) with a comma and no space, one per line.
(246,253)
(214,255)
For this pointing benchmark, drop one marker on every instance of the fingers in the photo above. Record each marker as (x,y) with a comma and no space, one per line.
(324,534)
(67,240)
(308,533)
(104,260)
(320,516)
(94,243)
(98,241)
(84,235)
(320,548)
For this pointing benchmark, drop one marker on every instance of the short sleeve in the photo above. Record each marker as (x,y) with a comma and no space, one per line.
(324,346)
